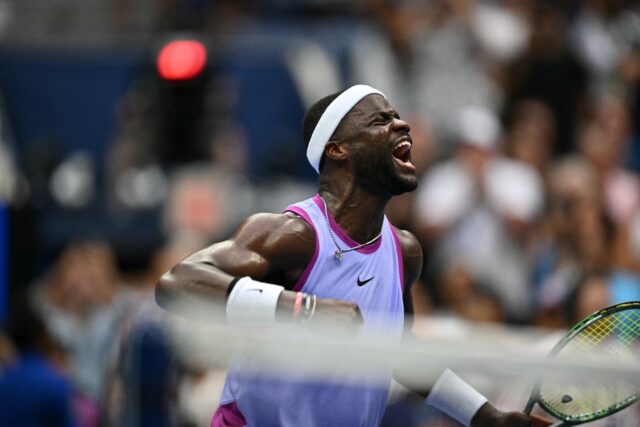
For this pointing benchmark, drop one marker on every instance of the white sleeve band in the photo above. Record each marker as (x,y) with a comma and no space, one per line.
(455,398)
(252,302)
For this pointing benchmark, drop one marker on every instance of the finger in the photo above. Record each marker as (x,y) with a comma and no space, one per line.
(529,421)
(539,421)
(517,419)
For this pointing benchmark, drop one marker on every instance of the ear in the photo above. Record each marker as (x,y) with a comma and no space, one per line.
(336,150)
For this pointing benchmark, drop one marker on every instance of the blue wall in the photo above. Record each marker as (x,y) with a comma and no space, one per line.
(70,100)
(67,98)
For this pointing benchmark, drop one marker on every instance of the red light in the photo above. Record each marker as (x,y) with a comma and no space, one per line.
(181,60)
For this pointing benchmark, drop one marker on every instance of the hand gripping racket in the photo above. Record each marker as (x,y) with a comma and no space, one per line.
(613,332)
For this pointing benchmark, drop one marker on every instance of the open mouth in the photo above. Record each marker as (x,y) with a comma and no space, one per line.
(402,154)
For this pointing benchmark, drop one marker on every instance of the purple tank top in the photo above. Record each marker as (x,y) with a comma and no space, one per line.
(371,277)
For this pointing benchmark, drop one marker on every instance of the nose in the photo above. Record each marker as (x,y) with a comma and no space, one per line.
(399,124)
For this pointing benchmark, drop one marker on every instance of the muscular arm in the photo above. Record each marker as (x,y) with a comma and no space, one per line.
(274,248)
(263,246)
(412,265)
(487,415)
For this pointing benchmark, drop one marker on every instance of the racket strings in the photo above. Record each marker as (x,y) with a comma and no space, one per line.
(615,337)
(611,337)
(630,327)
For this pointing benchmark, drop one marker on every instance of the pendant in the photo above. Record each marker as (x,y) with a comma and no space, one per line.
(338,255)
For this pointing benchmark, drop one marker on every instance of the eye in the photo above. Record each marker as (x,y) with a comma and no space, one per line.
(381,119)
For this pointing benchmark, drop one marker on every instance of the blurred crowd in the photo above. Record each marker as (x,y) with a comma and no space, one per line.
(525,116)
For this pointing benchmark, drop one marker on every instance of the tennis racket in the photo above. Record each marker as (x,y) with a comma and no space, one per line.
(613,332)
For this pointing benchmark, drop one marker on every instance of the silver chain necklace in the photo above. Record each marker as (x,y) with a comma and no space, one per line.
(339,251)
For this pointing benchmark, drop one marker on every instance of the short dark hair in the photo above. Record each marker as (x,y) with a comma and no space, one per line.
(312,117)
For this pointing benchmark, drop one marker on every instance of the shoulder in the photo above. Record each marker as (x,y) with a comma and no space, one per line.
(277,235)
(409,243)
(270,226)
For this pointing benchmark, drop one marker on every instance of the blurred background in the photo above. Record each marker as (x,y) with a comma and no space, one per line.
(133,133)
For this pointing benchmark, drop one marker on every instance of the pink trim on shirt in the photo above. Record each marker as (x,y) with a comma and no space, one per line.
(399,254)
(369,249)
(228,415)
(305,274)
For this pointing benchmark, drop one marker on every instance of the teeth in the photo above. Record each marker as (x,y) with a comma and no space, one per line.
(402,148)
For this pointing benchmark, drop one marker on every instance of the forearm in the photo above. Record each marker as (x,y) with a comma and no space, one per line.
(480,417)
(486,416)
(406,377)
(192,285)
(456,398)
(408,381)
(460,401)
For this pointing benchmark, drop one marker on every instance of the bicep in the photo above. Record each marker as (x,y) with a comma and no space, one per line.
(233,258)
(263,245)
(411,261)
(412,268)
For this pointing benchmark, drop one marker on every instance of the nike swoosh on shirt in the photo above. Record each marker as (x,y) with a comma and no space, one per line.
(364,282)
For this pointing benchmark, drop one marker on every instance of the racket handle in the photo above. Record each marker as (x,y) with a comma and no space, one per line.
(529,407)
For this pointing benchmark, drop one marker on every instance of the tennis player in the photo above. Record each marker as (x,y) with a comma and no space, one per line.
(333,257)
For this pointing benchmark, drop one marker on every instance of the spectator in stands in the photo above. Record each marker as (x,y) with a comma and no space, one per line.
(423,55)
(478,207)
(583,248)
(33,390)
(140,388)
(531,133)
(550,72)
(81,305)
(604,35)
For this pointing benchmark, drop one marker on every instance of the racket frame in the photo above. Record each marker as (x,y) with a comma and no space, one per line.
(577,328)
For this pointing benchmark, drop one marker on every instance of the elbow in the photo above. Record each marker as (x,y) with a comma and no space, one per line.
(164,290)
(168,287)
(175,285)
(191,289)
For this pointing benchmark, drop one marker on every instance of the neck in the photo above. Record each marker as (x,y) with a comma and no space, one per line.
(359,213)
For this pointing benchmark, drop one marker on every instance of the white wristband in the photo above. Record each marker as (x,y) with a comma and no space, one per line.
(252,302)
(455,398)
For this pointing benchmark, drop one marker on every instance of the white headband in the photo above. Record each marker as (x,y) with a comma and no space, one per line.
(332,117)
